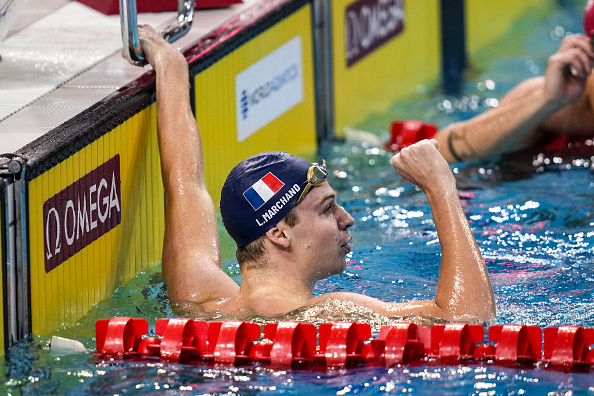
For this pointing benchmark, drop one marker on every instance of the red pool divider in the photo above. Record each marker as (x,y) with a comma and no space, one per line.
(120,336)
(344,345)
(569,347)
(403,133)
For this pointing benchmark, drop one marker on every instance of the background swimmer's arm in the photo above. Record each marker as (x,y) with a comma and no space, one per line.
(575,120)
(514,124)
(464,290)
(509,127)
(191,255)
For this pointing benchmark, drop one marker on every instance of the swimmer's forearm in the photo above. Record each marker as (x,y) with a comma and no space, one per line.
(464,291)
(179,139)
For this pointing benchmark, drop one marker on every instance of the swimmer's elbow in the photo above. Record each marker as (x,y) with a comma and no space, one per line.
(470,313)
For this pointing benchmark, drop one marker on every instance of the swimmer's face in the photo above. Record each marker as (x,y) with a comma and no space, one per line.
(322,232)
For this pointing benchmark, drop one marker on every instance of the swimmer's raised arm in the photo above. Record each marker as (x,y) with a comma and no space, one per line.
(529,109)
(191,255)
(464,290)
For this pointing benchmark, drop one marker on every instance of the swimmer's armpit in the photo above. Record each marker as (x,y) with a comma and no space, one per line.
(464,151)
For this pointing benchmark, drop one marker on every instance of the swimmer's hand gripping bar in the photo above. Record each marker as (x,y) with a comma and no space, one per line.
(129,24)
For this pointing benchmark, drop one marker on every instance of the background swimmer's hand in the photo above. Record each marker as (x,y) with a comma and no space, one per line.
(423,165)
(568,70)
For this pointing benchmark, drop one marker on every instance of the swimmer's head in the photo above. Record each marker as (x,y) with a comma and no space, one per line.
(589,18)
(262,189)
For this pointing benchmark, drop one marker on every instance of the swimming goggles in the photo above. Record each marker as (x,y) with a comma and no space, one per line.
(316,176)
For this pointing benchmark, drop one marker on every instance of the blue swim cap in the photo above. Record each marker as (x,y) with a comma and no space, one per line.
(259,192)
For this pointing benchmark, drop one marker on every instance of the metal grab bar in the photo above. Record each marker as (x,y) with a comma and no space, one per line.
(129,24)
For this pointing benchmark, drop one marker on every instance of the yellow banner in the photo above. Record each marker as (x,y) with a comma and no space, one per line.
(96,220)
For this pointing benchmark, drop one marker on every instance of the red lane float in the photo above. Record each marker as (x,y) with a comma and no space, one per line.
(404,133)
(294,343)
(407,132)
(344,344)
(569,347)
(120,336)
(401,344)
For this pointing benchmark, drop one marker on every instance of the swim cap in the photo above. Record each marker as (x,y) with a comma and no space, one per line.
(589,18)
(259,192)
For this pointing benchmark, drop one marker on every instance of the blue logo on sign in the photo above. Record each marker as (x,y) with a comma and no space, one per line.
(244,104)
(265,90)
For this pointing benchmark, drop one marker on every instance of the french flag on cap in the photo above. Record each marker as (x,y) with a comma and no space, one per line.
(262,190)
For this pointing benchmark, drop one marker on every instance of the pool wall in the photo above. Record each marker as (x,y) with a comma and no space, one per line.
(4,221)
(88,204)
(96,220)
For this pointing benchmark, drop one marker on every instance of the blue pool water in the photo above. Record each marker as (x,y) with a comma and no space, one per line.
(535,228)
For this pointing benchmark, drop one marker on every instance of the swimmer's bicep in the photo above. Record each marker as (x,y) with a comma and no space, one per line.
(191,252)
(191,227)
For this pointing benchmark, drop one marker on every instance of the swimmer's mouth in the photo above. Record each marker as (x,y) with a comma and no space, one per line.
(346,245)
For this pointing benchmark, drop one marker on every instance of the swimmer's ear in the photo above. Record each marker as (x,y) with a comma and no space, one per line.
(277,236)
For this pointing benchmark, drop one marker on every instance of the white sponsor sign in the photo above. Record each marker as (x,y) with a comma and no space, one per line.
(269,88)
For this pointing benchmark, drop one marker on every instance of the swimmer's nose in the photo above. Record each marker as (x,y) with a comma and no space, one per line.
(345,220)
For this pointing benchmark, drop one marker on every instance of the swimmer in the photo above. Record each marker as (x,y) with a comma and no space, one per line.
(285,219)
(536,111)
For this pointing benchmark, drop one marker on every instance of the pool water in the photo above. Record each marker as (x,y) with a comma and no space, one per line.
(534,226)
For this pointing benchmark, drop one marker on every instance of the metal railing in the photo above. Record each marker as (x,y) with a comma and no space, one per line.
(129,24)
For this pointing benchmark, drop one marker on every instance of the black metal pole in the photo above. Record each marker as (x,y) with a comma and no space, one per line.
(453,44)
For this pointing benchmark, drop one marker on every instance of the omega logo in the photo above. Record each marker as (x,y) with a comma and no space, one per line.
(81,213)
